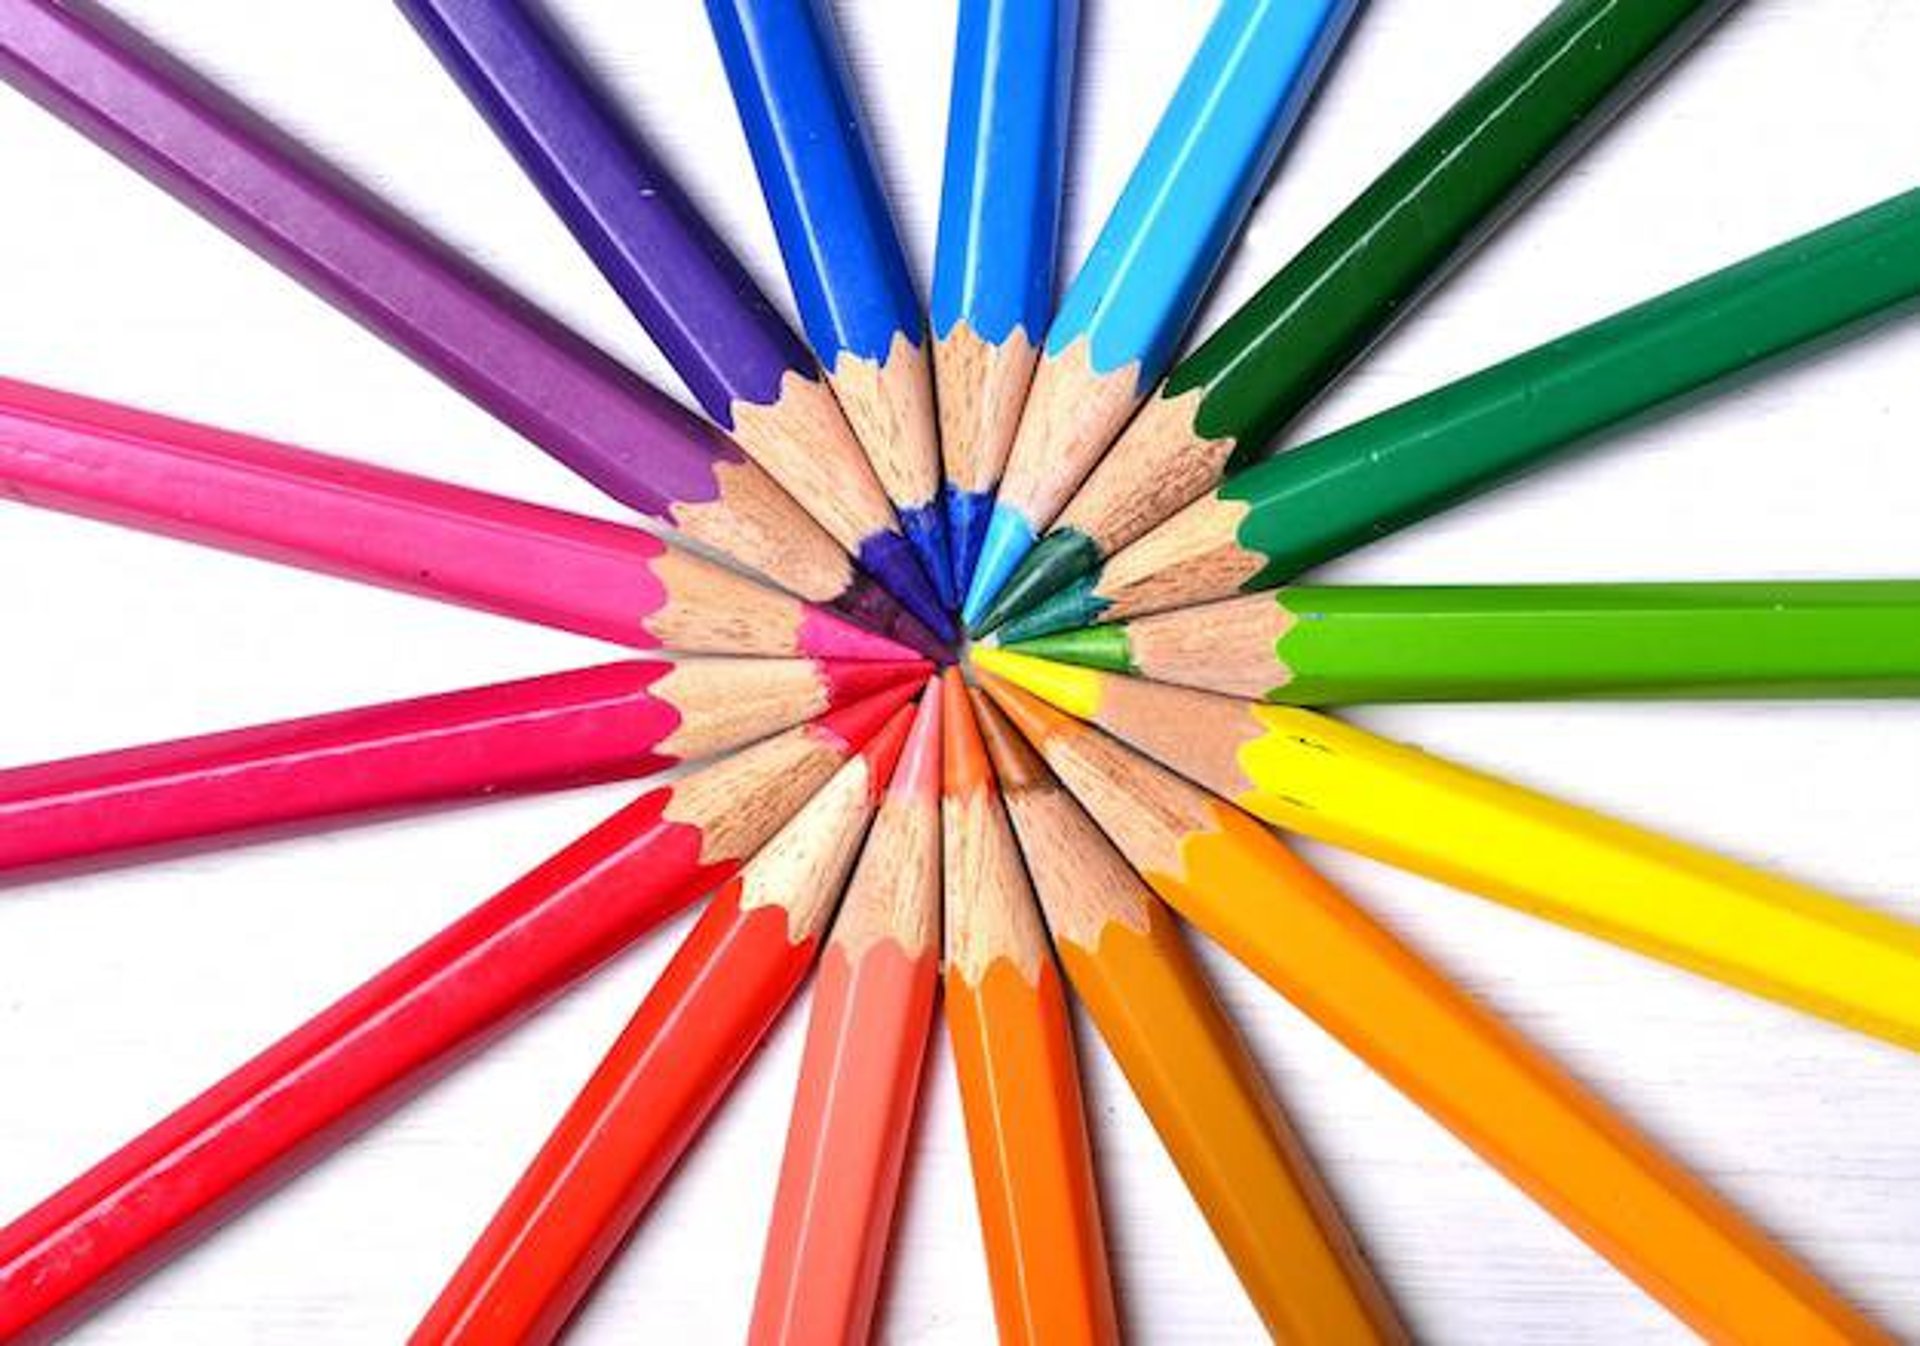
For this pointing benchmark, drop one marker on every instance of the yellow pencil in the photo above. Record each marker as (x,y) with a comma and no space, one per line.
(1235,880)
(1327,779)
(1125,956)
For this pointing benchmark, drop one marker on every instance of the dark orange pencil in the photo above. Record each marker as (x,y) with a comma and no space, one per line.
(616,1145)
(1013,1053)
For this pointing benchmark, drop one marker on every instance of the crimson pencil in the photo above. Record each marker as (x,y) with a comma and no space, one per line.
(860,1074)
(399,531)
(329,233)
(608,722)
(559,921)
(645,1103)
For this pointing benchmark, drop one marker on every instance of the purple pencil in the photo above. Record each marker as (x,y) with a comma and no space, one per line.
(737,355)
(567,396)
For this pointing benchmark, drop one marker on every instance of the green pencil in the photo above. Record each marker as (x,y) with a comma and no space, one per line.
(1261,527)
(1312,646)
(1225,405)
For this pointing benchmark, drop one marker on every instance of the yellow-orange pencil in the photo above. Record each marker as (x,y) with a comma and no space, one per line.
(1587,1165)
(1658,896)
(1013,1052)
(1246,1168)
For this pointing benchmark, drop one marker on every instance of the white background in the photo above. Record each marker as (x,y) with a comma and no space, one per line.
(124,991)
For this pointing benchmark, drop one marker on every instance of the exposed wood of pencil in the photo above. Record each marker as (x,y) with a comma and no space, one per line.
(1072,414)
(648,1099)
(566,916)
(1759,931)
(805,441)
(397,530)
(890,404)
(1588,1166)
(608,722)
(1249,1172)
(1117,505)
(1013,1052)
(860,1071)
(981,387)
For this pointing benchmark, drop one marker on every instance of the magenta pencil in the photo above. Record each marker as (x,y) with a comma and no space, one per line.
(609,722)
(565,395)
(399,531)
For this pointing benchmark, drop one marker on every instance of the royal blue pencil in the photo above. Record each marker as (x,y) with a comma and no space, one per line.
(842,254)
(993,266)
(737,356)
(1125,311)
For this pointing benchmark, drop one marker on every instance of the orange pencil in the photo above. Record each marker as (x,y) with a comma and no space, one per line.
(613,1150)
(1246,1168)
(860,1073)
(1587,1165)
(1013,1053)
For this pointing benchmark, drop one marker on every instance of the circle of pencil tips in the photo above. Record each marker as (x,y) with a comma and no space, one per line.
(928,831)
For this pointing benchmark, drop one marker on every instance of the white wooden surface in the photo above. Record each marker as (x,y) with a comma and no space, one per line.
(124,991)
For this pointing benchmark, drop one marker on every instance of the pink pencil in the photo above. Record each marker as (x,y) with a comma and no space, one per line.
(611,722)
(400,531)
(860,1074)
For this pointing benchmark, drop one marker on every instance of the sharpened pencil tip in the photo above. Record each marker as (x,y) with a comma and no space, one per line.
(1056,561)
(1074,690)
(1008,537)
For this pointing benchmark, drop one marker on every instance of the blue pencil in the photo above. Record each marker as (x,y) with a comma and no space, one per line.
(993,268)
(842,254)
(1122,317)
(748,369)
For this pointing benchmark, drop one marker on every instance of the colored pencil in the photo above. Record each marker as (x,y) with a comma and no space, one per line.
(1262,526)
(993,263)
(610,722)
(1329,646)
(400,531)
(648,1099)
(853,1109)
(1013,1054)
(565,395)
(1225,405)
(748,370)
(1122,317)
(1326,779)
(1249,1172)
(314,1086)
(843,256)
(1588,1166)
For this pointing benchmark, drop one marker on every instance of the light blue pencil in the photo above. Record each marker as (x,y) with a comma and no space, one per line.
(1122,317)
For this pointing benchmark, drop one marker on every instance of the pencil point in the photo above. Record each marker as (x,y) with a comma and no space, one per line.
(895,563)
(867,608)
(1105,647)
(852,727)
(918,773)
(1056,561)
(884,748)
(1037,721)
(1075,690)
(925,527)
(967,515)
(963,756)
(851,681)
(1007,539)
(1073,607)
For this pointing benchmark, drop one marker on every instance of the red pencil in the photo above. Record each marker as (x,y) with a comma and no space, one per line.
(612,1151)
(334,515)
(609,722)
(860,1074)
(556,923)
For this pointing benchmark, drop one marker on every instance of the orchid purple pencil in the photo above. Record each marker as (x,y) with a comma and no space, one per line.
(571,399)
